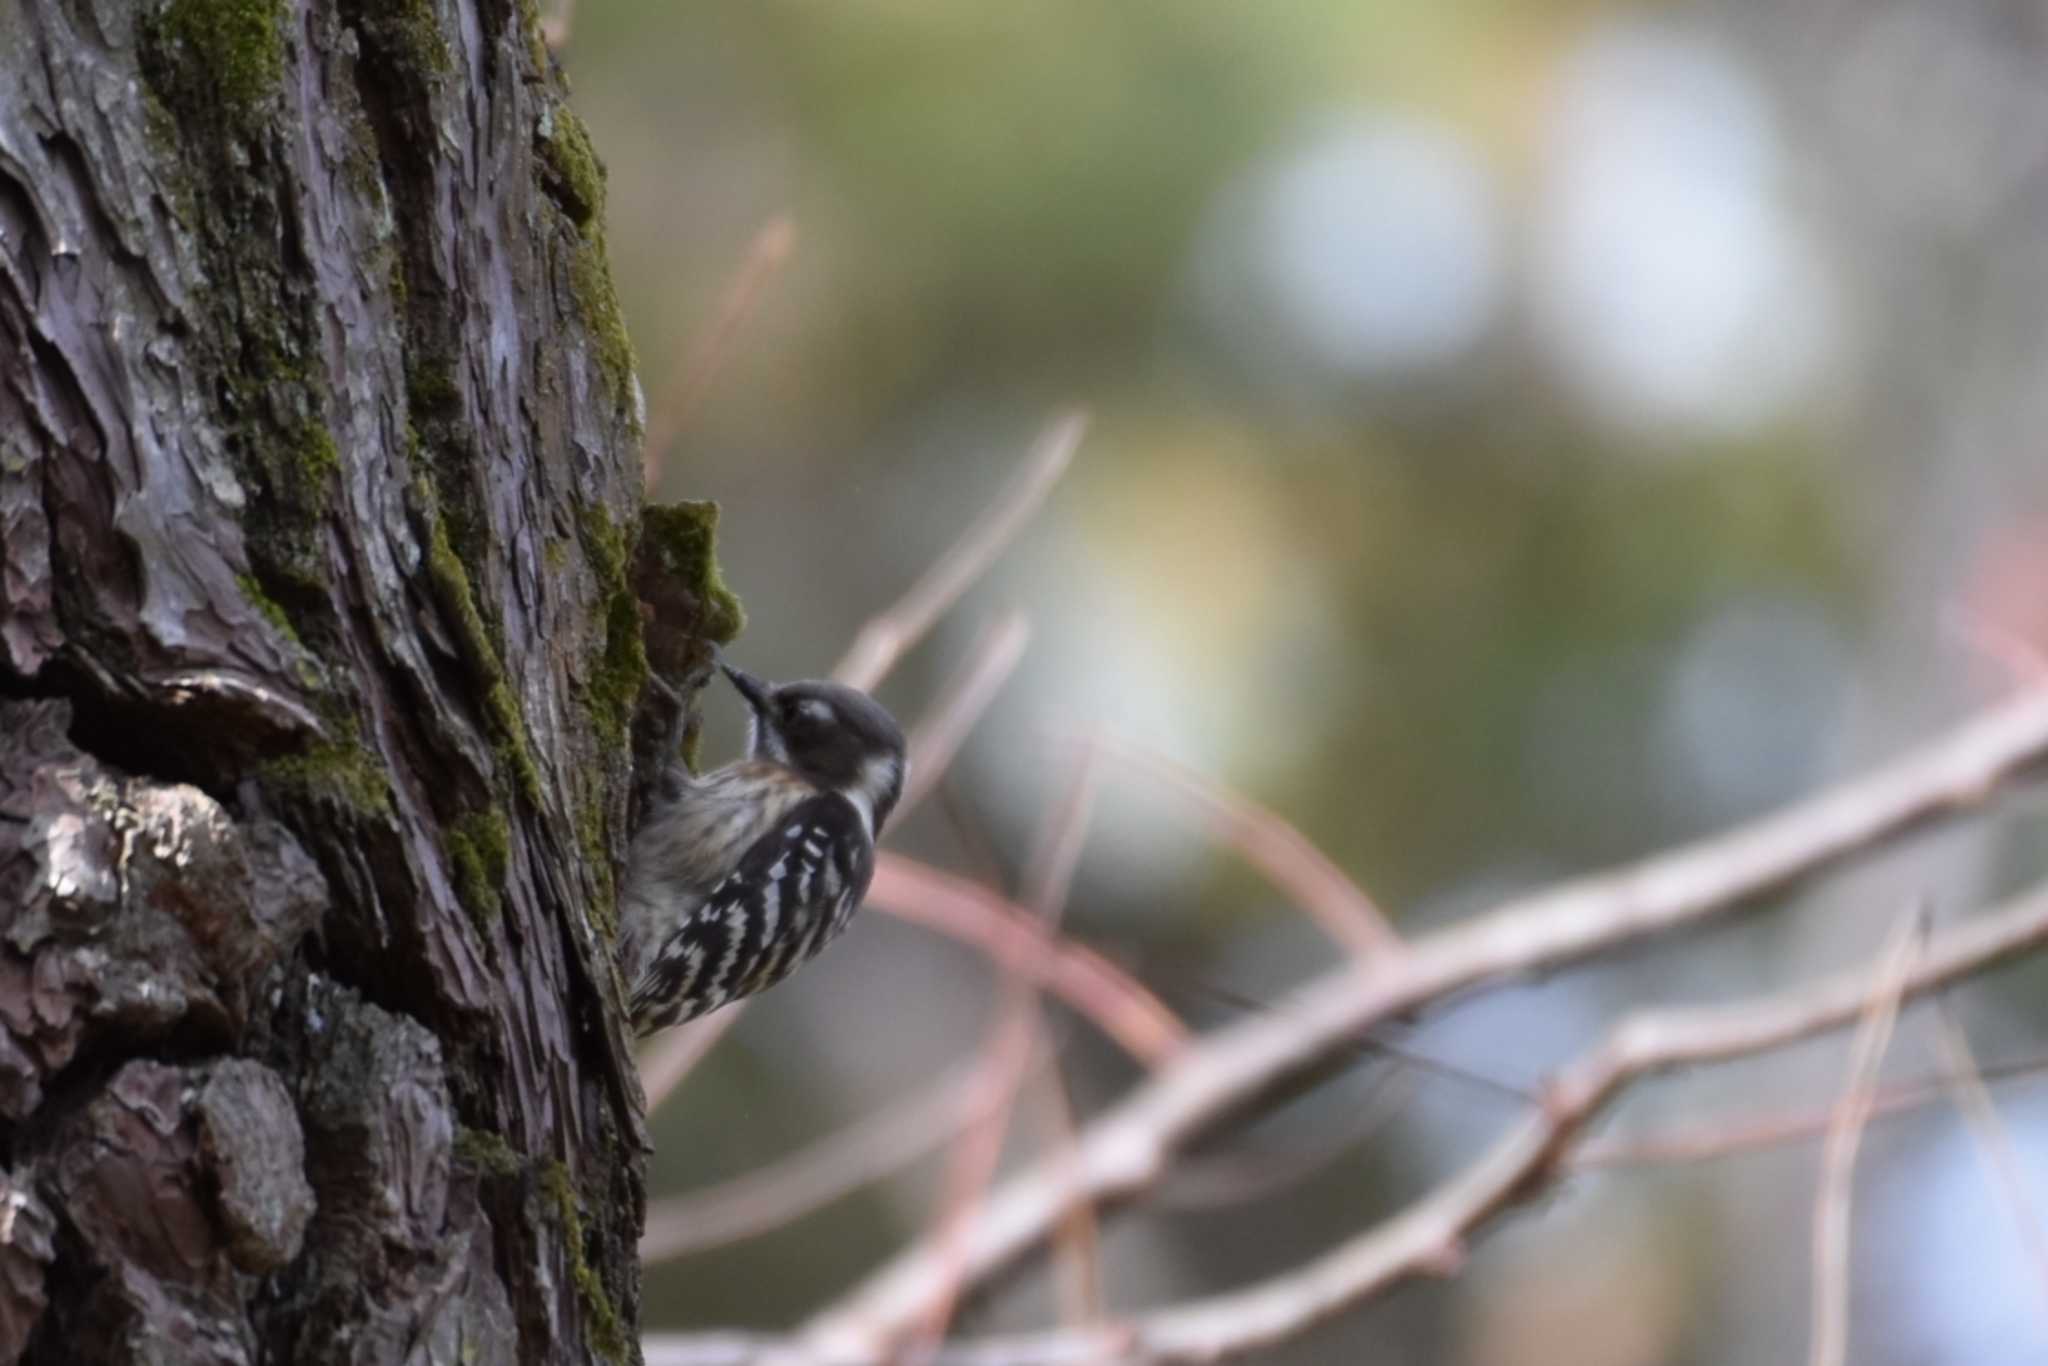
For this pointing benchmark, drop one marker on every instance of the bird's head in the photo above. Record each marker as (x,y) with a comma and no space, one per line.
(837,737)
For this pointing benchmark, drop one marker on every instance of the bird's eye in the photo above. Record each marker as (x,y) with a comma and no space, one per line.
(808,714)
(805,715)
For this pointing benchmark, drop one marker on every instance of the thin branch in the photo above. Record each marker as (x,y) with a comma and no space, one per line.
(938,734)
(1994,1140)
(701,361)
(554,30)
(1052,882)
(1328,895)
(665,1062)
(1199,1183)
(1093,986)
(1128,1148)
(1078,1241)
(1428,1238)
(1011,1043)
(1379,1046)
(886,637)
(781,1192)
(1829,1340)
(1707,1143)
(2020,659)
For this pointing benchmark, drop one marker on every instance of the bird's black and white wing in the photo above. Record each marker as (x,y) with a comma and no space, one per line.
(794,889)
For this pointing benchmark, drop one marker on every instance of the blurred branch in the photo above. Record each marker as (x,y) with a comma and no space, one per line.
(1707,1143)
(554,29)
(1994,1141)
(780,1192)
(1128,1148)
(1829,1342)
(2018,658)
(1235,1178)
(665,1062)
(1429,1237)
(701,361)
(1016,1036)
(1078,1241)
(938,734)
(1020,942)
(886,637)
(1270,844)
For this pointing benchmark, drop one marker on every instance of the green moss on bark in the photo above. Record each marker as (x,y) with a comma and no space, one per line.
(453,591)
(340,771)
(223,54)
(573,175)
(479,850)
(607,1330)
(684,537)
(621,670)
(486,1153)
(590,277)
(603,909)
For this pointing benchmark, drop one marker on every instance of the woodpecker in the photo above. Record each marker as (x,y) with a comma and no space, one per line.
(741,875)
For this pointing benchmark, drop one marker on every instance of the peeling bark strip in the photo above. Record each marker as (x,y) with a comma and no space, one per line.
(319,546)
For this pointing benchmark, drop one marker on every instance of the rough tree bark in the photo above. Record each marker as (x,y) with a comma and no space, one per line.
(321,644)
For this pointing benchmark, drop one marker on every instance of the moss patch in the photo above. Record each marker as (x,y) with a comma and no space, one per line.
(272,610)
(414,32)
(453,591)
(684,539)
(343,771)
(479,849)
(573,173)
(486,1153)
(621,670)
(603,908)
(607,1333)
(229,53)
(590,279)
(536,41)
(573,176)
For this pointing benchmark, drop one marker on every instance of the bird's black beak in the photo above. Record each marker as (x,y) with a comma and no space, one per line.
(750,687)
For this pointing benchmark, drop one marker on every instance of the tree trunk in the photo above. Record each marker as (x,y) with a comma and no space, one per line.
(321,652)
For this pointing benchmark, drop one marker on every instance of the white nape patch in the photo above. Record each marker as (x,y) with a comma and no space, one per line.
(877,776)
(863,806)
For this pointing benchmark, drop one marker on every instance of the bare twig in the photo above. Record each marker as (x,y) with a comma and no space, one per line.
(2020,659)
(885,638)
(1707,1143)
(1011,1043)
(1018,941)
(938,735)
(665,1062)
(1994,1141)
(1828,1344)
(781,1192)
(554,30)
(1078,1242)
(1127,1148)
(700,362)
(1235,1178)
(1344,910)
(1428,1237)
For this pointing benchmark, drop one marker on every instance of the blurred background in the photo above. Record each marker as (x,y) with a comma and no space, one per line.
(1525,435)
